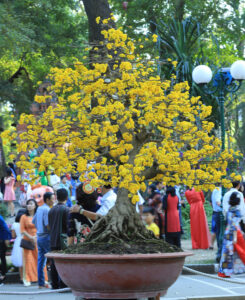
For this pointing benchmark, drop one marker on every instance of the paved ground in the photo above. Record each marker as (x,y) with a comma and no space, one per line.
(189,286)
(185,286)
(199,256)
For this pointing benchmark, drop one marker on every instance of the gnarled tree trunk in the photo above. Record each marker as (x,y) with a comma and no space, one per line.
(121,223)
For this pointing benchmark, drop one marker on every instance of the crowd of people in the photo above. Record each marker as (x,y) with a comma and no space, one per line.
(68,211)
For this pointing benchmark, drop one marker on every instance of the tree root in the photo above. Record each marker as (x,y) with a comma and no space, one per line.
(122,223)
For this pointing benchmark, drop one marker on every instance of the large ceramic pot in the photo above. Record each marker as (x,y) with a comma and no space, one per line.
(119,276)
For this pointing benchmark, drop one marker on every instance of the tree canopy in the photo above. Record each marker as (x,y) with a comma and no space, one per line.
(121,119)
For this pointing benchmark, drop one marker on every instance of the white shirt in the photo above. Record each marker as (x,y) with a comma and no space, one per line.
(178,194)
(216,199)
(54,181)
(107,202)
(140,202)
(240,207)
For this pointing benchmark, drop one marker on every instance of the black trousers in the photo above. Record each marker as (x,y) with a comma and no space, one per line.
(56,281)
(3,249)
(173,238)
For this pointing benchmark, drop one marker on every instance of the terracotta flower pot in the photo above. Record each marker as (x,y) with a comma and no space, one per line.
(119,276)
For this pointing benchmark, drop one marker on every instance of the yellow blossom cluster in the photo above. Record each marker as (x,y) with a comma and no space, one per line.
(119,122)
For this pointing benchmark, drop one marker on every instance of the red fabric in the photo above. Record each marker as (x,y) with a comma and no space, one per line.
(240,246)
(173,223)
(68,176)
(200,235)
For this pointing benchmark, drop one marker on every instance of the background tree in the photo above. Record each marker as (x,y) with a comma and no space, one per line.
(35,36)
(140,15)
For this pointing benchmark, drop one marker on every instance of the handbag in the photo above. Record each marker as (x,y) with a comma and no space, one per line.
(27,244)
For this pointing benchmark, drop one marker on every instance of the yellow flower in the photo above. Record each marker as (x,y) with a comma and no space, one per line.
(124,158)
(154,38)
(126,66)
(135,199)
(12,157)
(109,46)
(174,63)
(97,20)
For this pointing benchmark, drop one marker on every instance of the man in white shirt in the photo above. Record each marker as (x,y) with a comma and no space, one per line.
(107,202)
(217,210)
(226,199)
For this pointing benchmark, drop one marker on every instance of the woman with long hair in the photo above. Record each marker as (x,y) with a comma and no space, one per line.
(9,194)
(172,219)
(29,233)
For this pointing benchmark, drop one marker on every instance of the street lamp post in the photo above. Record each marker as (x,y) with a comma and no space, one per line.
(226,80)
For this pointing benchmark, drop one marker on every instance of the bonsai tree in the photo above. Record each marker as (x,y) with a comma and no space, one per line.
(119,123)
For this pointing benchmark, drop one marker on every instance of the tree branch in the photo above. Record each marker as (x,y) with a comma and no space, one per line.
(18,73)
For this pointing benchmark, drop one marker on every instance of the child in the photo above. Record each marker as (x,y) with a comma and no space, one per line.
(230,237)
(148,218)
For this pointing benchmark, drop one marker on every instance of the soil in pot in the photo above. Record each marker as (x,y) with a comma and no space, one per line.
(121,247)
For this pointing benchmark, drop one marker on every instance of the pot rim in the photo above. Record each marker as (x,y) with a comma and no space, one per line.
(148,256)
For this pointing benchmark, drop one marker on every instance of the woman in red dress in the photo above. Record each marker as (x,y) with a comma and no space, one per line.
(172,220)
(200,235)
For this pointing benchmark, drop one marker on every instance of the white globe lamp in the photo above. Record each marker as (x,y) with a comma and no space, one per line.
(238,70)
(202,74)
